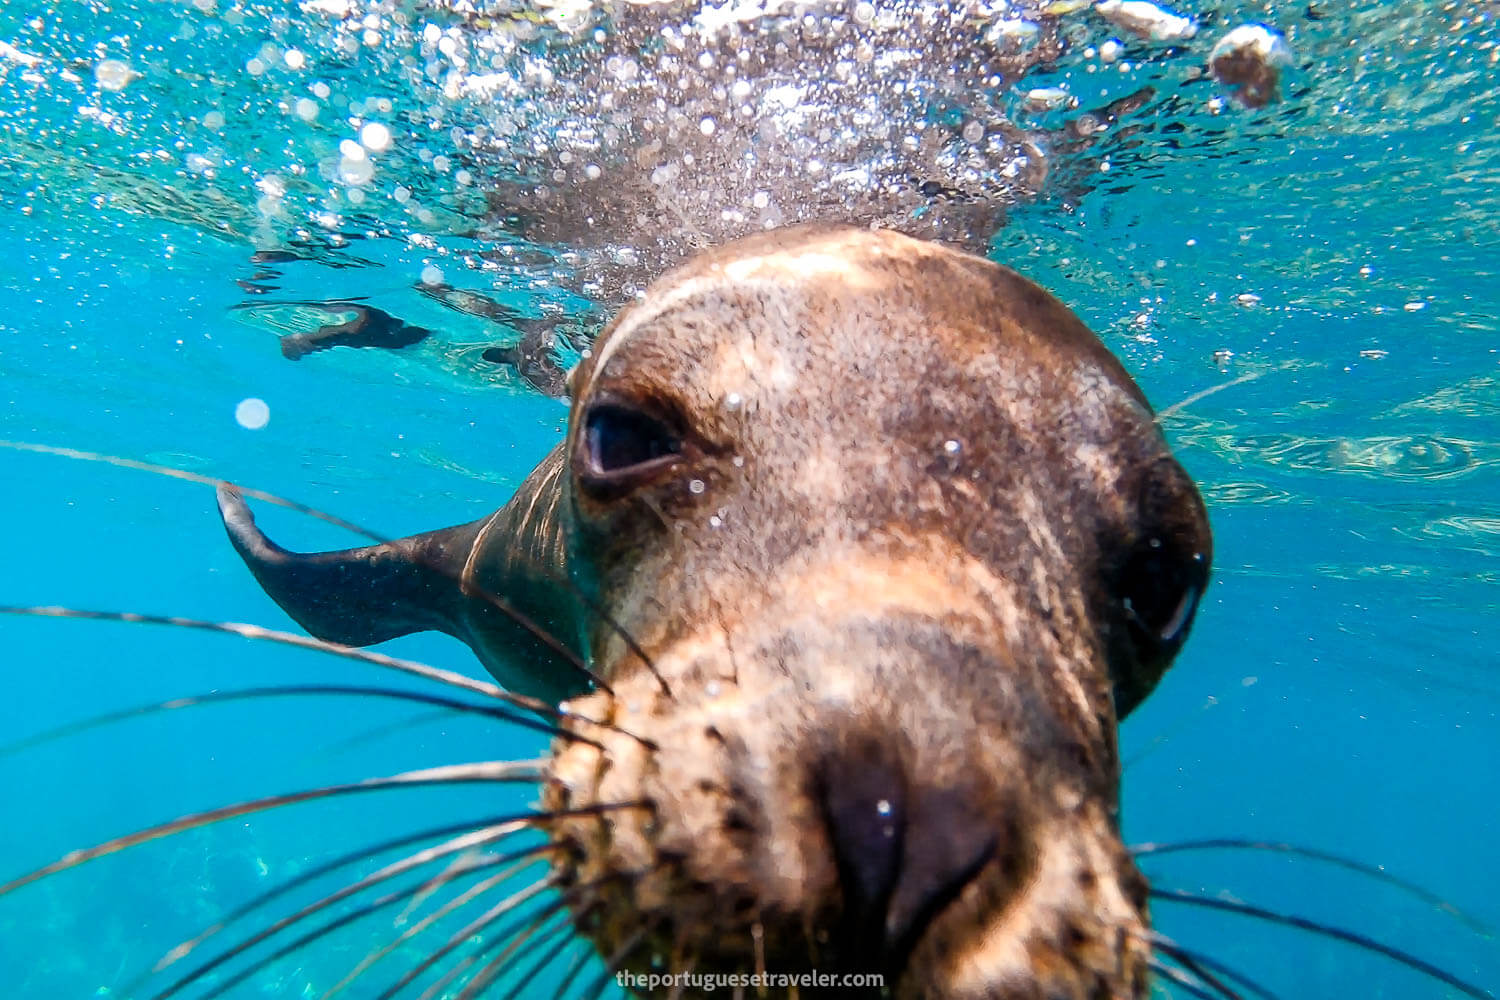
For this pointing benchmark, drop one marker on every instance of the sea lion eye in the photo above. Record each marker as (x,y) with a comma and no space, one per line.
(1161,586)
(621,445)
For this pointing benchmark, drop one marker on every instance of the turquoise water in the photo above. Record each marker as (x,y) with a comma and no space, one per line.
(1340,689)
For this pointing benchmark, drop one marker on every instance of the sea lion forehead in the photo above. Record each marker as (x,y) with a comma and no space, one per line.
(777,282)
(857,259)
(755,316)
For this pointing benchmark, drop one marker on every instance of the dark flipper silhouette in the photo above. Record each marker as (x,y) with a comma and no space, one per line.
(439,580)
(369,327)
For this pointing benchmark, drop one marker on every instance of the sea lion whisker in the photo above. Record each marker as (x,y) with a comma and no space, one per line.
(1327,857)
(1358,940)
(372,735)
(238,520)
(458,901)
(1202,394)
(585,953)
(680,985)
(1166,735)
(525,772)
(1201,965)
(191,477)
(181,950)
(1181,979)
(475,926)
(514,950)
(494,600)
(630,641)
(257,633)
(568,897)
(547,958)
(240,523)
(470,839)
(617,959)
(290,691)
(353,857)
(230,496)
(343,920)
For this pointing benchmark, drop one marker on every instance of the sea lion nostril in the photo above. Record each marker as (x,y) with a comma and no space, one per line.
(862,792)
(904,850)
(948,842)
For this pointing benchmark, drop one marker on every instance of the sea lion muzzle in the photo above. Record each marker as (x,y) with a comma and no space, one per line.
(873,543)
(830,793)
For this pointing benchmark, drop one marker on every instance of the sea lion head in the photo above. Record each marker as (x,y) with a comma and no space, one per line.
(895,542)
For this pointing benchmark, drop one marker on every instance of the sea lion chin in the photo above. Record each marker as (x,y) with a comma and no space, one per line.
(879,542)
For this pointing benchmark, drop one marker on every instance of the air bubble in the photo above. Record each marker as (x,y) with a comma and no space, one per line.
(252,413)
(112,74)
(375,137)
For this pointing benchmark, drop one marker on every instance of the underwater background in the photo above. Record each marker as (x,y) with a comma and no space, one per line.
(182,183)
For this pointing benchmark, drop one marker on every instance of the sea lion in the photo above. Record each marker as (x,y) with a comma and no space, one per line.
(873,543)
(531,357)
(366,327)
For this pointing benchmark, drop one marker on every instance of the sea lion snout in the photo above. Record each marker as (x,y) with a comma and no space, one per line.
(838,800)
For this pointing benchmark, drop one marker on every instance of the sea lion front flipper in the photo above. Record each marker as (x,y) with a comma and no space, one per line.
(361,596)
(445,580)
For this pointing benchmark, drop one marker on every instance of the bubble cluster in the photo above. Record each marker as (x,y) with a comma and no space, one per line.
(658,129)
(573,149)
